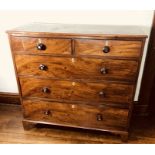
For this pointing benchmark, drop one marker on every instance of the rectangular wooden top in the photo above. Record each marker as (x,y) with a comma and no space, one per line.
(79,30)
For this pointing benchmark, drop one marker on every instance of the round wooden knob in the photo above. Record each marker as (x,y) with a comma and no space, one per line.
(106,49)
(47,112)
(102,94)
(41,46)
(99,117)
(45,90)
(43,67)
(104,70)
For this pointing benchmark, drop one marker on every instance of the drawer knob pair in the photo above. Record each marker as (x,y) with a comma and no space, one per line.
(43,67)
(41,47)
(106,49)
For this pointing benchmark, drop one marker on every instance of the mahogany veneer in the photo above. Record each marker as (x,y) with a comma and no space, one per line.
(77,75)
(77,68)
(117,48)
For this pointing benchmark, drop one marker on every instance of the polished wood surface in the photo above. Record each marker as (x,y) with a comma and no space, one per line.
(86,75)
(142,131)
(13,98)
(84,116)
(52,46)
(117,48)
(77,30)
(77,91)
(77,68)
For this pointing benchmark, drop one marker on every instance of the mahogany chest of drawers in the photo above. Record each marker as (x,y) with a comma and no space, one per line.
(80,76)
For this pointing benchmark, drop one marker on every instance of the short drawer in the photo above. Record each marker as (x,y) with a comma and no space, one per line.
(75,114)
(46,46)
(77,68)
(111,48)
(77,91)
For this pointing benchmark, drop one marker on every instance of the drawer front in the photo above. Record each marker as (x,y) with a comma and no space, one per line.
(76,68)
(41,46)
(108,48)
(75,114)
(76,91)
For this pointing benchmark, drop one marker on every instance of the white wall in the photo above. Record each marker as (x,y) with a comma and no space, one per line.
(11,19)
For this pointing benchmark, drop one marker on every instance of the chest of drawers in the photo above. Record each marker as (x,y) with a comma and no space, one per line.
(80,76)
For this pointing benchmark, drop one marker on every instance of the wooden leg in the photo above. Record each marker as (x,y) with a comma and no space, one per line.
(28,125)
(124,137)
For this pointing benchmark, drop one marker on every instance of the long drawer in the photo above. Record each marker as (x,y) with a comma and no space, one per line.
(77,91)
(44,46)
(75,114)
(76,68)
(117,48)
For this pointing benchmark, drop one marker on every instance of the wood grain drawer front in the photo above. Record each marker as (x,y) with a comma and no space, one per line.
(41,46)
(115,48)
(75,114)
(76,91)
(77,68)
